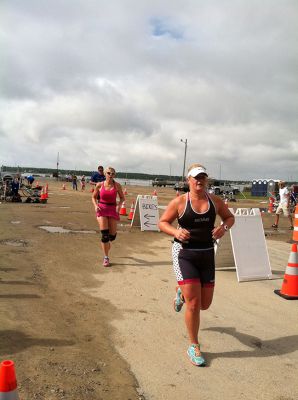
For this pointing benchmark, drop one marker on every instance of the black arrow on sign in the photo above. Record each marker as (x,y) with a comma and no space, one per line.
(148,216)
(146,223)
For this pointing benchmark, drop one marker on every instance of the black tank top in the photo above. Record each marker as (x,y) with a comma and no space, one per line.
(200,225)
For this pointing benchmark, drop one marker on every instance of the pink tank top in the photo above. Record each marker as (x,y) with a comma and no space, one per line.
(108,196)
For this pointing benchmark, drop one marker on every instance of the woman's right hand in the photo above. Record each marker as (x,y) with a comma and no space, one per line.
(97,208)
(182,235)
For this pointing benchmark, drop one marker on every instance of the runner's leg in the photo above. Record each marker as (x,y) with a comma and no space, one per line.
(103,223)
(192,296)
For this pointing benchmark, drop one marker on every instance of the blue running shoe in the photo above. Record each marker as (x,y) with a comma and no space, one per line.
(195,355)
(178,300)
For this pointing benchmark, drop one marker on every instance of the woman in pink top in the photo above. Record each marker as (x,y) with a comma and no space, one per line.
(107,210)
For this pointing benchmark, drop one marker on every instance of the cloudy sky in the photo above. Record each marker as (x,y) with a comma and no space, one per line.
(122,82)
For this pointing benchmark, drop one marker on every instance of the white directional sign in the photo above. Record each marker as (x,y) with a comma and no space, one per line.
(246,248)
(146,213)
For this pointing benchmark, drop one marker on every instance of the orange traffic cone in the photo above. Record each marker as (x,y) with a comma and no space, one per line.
(177,193)
(289,289)
(92,189)
(271,202)
(47,191)
(125,192)
(8,381)
(131,212)
(123,209)
(63,186)
(155,192)
(43,196)
(295,231)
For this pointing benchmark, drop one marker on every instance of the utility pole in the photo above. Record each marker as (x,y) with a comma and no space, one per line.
(58,166)
(185,149)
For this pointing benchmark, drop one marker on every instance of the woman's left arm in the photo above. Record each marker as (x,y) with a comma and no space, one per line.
(226,216)
(121,197)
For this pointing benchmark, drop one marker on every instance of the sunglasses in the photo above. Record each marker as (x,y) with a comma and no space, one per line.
(111,173)
(200,176)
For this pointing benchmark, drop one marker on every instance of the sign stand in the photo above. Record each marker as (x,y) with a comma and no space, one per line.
(249,248)
(146,213)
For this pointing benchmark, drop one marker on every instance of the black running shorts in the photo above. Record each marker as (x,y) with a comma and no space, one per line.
(193,265)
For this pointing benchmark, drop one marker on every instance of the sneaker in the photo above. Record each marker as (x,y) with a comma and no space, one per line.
(274,226)
(178,300)
(106,262)
(195,355)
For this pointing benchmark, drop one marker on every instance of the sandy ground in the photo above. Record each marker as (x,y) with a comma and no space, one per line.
(79,331)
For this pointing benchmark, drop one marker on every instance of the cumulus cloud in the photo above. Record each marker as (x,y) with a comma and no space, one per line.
(122,83)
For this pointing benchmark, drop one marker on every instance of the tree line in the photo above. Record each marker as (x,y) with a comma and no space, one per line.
(53,172)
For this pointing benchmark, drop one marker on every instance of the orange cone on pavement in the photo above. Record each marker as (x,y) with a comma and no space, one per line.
(92,189)
(271,202)
(295,230)
(125,192)
(63,186)
(154,192)
(177,193)
(43,196)
(47,191)
(8,381)
(123,209)
(289,289)
(131,212)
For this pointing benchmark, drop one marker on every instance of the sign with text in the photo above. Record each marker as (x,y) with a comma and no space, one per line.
(146,213)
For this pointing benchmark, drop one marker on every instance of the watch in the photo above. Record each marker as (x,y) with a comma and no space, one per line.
(226,228)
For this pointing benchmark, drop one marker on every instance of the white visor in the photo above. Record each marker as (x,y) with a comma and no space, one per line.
(196,171)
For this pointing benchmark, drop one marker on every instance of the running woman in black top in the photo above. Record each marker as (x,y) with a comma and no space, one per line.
(193,252)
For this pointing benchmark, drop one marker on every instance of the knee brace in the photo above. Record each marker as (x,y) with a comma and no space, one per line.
(112,237)
(105,236)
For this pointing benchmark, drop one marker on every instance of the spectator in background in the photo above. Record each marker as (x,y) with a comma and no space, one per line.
(74,180)
(98,176)
(15,186)
(30,179)
(284,205)
(83,183)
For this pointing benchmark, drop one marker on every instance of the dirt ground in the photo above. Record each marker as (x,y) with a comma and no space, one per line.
(76,330)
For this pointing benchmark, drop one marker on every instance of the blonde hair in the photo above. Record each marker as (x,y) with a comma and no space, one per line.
(196,165)
(110,169)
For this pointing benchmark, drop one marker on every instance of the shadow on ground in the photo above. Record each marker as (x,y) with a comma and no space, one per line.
(12,342)
(258,347)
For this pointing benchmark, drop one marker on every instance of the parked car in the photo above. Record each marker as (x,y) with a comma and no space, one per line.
(163,182)
(181,187)
(224,188)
